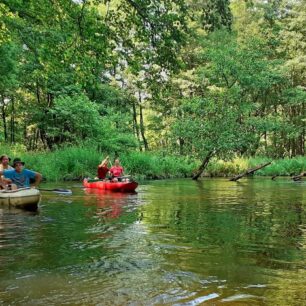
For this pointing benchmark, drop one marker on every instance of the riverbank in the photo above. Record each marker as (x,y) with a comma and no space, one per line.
(278,167)
(75,163)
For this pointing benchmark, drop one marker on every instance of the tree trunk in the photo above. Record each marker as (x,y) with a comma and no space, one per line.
(135,124)
(142,129)
(49,100)
(13,122)
(37,93)
(45,140)
(181,145)
(203,165)
(141,124)
(4,119)
(250,171)
(301,143)
(36,138)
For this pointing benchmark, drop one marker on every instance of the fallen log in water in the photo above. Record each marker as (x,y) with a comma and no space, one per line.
(299,177)
(249,171)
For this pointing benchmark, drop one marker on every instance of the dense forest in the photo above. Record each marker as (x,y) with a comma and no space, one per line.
(205,79)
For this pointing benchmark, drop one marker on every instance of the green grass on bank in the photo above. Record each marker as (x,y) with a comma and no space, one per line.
(280,167)
(75,163)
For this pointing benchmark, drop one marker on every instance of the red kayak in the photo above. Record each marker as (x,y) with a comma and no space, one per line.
(112,186)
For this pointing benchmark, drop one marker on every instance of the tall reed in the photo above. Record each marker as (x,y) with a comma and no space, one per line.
(78,162)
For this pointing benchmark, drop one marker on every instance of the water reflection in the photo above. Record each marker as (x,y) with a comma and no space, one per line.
(179,242)
(109,204)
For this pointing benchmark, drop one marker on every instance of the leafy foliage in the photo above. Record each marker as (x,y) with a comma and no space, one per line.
(183,77)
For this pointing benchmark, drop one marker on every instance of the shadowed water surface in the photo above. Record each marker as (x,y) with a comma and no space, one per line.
(175,242)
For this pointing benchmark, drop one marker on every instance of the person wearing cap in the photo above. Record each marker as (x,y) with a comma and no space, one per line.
(103,168)
(21,177)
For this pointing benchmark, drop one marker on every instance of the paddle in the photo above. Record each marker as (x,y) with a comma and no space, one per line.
(58,190)
(124,178)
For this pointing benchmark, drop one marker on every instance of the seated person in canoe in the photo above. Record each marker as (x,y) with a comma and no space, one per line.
(103,169)
(116,171)
(21,177)
(4,165)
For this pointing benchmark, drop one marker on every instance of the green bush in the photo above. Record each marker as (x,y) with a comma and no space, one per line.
(280,167)
(73,162)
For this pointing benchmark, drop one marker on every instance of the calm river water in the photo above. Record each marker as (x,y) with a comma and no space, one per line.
(175,242)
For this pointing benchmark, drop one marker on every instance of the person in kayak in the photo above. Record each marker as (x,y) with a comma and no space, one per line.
(21,177)
(4,165)
(103,169)
(116,171)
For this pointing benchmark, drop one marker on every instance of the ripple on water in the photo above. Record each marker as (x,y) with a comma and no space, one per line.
(240,297)
(175,243)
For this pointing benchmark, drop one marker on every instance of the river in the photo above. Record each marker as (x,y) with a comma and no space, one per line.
(174,242)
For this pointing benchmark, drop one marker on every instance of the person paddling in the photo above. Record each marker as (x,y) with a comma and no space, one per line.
(116,171)
(103,168)
(20,176)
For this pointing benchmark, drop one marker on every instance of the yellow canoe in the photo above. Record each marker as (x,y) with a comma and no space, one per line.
(24,198)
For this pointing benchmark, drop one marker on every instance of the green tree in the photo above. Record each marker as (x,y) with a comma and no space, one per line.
(293,36)
(76,120)
(9,81)
(212,15)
